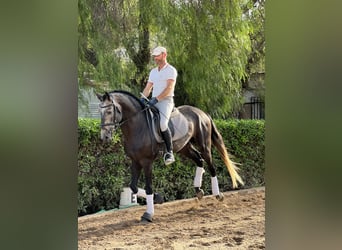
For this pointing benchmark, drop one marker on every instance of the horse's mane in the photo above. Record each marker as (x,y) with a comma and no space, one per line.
(129,94)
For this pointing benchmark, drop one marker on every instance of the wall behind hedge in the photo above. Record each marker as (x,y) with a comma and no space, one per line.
(103,169)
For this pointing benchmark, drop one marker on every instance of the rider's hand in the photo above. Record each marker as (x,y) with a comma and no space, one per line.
(153,101)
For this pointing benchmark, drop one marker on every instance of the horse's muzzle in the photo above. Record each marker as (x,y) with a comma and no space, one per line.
(106,135)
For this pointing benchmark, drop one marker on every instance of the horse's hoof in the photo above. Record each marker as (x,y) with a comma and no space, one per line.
(158,199)
(200,194)
(146,218)
(220,197)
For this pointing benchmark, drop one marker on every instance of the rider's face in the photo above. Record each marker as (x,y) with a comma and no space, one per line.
(159,59)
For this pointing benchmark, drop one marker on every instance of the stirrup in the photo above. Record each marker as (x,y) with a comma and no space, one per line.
(169,158)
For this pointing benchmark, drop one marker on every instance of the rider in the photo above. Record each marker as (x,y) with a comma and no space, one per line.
(162,80)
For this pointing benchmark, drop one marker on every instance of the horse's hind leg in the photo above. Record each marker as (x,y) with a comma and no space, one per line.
(214,182)
(191,152)
(206,153)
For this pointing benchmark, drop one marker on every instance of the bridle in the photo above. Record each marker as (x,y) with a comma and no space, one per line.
(117,123)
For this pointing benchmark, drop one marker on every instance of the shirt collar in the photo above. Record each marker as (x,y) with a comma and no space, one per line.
(163,67)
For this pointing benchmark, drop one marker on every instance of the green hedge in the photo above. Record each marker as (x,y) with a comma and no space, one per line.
(103,169)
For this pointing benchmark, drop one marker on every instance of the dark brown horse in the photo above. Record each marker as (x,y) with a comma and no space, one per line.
(120,109)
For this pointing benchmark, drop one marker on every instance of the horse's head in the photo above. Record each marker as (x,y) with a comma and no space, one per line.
(111,115)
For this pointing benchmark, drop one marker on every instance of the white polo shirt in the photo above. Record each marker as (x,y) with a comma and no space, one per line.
(159,78)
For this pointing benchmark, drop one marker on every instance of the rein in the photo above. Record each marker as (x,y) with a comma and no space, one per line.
(118,124)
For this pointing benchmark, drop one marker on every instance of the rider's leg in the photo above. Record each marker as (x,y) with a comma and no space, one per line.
(165,109)
(168,157)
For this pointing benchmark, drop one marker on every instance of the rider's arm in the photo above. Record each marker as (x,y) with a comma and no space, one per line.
(147,89)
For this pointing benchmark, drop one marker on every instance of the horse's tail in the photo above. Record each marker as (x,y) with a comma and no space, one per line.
(219,144)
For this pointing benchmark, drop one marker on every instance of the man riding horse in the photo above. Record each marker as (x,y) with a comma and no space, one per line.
(162,80)
(121,109)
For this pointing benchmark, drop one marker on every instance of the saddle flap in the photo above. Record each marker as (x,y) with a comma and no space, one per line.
(178,124)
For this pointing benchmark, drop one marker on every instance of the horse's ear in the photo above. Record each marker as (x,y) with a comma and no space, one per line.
(107,96)
(100,97)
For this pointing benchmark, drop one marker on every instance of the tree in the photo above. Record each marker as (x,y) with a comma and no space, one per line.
(255,11)
(209,43)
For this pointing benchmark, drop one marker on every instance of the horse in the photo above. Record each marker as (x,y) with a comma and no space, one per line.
(122,109)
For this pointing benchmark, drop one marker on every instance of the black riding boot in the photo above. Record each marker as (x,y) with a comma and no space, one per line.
(168,157)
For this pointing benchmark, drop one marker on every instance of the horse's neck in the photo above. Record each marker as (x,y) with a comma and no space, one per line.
(132,117)
(129,109)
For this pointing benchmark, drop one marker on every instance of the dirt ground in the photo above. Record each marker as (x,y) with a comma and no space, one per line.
(236,223)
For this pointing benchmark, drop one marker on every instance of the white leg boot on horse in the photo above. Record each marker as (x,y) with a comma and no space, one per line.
(215,189)
(198,182)
(157,198)
(152,199)
(148,215)
(141,193)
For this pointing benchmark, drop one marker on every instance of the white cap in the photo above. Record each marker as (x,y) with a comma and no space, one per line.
(157,51)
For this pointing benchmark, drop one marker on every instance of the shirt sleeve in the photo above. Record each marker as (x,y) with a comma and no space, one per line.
(172,73)
(150,77)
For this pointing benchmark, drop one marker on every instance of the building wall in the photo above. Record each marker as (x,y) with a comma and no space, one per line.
(254,98)
(88,104)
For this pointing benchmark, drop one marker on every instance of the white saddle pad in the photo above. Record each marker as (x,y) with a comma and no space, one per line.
(178,125)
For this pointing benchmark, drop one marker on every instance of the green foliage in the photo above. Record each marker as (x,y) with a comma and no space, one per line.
(245,141)
(256,19)
(174,182)
(103,169)
(215,45)
(212,57)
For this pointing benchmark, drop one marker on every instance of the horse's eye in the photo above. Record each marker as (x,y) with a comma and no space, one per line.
(109,112)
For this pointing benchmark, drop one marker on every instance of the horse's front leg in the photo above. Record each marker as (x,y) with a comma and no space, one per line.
(148,215)
(135,174)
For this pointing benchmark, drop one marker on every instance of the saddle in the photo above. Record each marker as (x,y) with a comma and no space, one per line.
(178,124)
